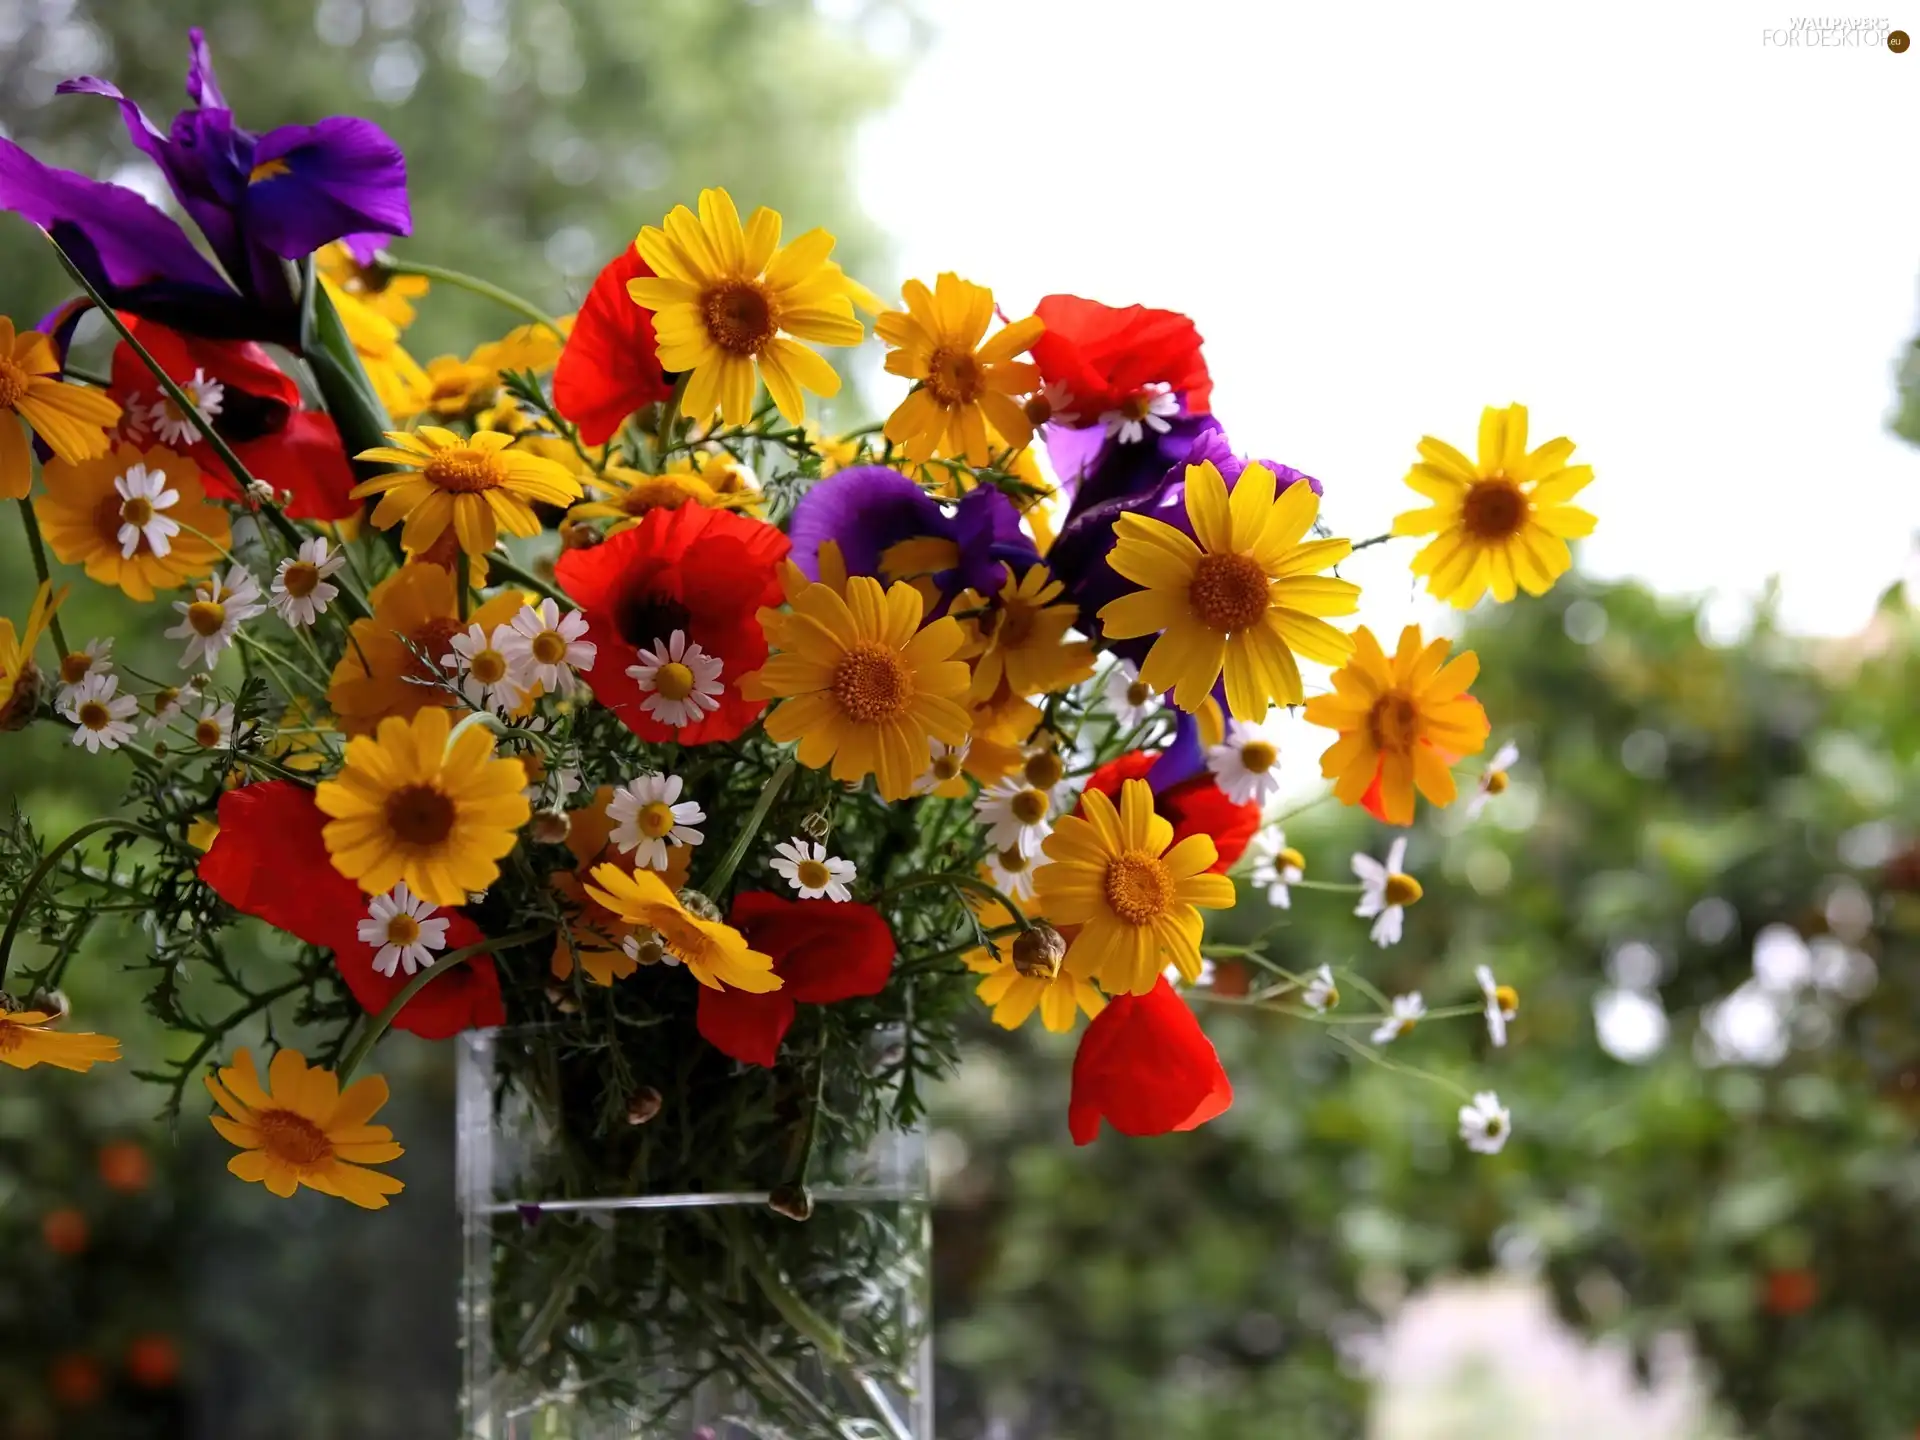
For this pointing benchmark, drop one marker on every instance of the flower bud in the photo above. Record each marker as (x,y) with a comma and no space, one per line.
(260,492)
(816,826)
(643,1105)
(1038,409)
(49,1002)
(200,681)
(575,536)
(694,903)
(562,999)
(792,1201)
(550,827)
(160,748)
(1037,953)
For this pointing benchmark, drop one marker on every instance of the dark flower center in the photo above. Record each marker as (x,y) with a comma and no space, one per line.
(420,815)
(955,377)
(872,684)
(646,617)
(1228,592)
(1394,723)
(14,383)
(739,316)
(292,1139)
(1494,509)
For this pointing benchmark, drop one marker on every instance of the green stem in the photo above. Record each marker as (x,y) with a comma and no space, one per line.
(507,568)
(463,584)
(921,962)
(1337,886)
(730,862)
(45,868)
(39,549)
(962,882)
(1372,540)
(669,417)
(378,1025)
(1367,1052)
(474,284)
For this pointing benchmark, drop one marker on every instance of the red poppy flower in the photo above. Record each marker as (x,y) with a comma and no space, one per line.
(611,364)
(1145,1067)
(258,414)
(1102,356)
(270,862)
(1193,807)
(824,950)
(705,572)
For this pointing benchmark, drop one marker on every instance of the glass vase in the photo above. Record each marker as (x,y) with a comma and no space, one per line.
(640,1275)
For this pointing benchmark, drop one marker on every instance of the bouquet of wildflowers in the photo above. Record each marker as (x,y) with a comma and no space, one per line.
(584,685)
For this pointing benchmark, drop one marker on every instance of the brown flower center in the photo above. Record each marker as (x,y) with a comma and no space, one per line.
(1029,807)
(420,815)
(872,683)
(1138,693)
(433,639)
(549,647)
(14,384)
(1394,723)
(954,377)
(402,929)
(464,471)
(1497,783)
(813,874)
(137,511)
(655,819)
(1044,770)
(489,667)
(1038,409)
(739,316)
(673,680)
(292,1139)
(206,617)
(1494,509)
(107,521)
(300,579)
(948,767)
(1137,407)
(1139,889)
(1258,756)
(95,716)
(1013,862)
(74,666)
(1402,889)
(1228,592)
(207,734)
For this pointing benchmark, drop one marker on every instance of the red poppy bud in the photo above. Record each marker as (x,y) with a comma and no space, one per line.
(1145,1067)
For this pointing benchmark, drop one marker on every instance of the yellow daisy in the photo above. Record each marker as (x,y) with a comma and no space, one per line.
(307,1131)
(388,295)
(865,687)
(72,419)
(727,302)
(1501,525)
(26,1041)
(458,387)
(1403,722)
(398,381)
(415,615)
(20,678)
(1015,992)
(85,508)
(533,346)
(1022,639)
(594,933)
(408,806)
(630,493)
(716,953)
(1136,901)
(479,485)
(964,400)
(1244,597)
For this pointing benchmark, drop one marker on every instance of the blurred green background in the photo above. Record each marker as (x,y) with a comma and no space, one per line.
(1704,883)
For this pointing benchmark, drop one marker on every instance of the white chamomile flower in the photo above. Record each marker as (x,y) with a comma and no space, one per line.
(1385,892)
(144,496)
(680,681)
(1203,981)
(220,605)
(100,714)
(946,763)
(648,815)
(1277,866)
(1130,697)
(1493,780)
(94,658)
(490,681)
(174,426)
(1321,994)
(214,729)
(1405,1012)
(1059,400)
(1247,763)
(545,647)
(1503,1003)
(165,703)
(1012,872)
(1485,1124)
(405,928)
(648,951)
(1016,814)
(809,869)
(1147,409)
(301,593)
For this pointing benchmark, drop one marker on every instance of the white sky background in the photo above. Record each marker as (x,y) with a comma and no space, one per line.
(1693,254)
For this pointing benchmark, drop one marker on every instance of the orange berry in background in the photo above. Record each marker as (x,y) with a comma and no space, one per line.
(1788,1292)
(75,1380)
(65,1231)
(153,1361)
(125,1166)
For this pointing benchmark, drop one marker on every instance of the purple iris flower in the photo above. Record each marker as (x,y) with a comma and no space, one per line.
(868,509)
(1079,556)
(1094,467)
(260,200)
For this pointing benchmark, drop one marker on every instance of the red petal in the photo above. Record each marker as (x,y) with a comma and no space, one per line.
(747,1027)
(1146,1068)
(611,365)
(1102,355)
(307,458)
(269,861)
(1194,807)
(825,950)
(1372,801)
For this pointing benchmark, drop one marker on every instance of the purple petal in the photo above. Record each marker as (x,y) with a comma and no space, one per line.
(365,247)
(864,510)
(203,88)
(311,184)
(987,528)
(1114,471)
(1185,757)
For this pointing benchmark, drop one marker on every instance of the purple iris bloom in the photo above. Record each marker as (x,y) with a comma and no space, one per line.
(260,200)
(1079,556)
(1094,467)
(868,509)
